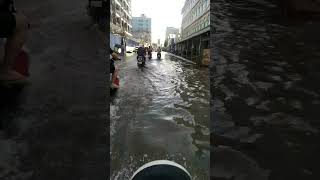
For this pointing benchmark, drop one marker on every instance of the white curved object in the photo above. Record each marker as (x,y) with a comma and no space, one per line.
(160,162)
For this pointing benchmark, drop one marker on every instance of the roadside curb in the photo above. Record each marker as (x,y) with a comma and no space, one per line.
(179,57)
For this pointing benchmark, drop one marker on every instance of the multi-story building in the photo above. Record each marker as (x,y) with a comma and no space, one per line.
(121,24)
(159,44)
(195,18)
(141,29)
(195,30)
(172,33)
(171,37)
(120,20)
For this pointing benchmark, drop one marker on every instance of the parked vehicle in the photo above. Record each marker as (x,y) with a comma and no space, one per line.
(136,49)
(21,65)
(130,49)
(114,77)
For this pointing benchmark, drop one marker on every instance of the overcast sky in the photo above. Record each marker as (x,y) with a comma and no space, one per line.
(163,13)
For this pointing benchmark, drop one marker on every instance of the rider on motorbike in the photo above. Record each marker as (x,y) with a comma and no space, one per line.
(14,28)
(159,52)
(141,52)
(150,51)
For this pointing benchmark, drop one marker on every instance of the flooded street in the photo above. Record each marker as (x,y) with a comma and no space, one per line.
(161,111)
(266,95)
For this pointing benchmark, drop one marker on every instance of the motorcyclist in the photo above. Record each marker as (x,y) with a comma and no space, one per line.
(159,52)
(141,52)
(150,51)
(14,28)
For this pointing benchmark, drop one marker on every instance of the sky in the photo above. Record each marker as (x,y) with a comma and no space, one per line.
(163,14)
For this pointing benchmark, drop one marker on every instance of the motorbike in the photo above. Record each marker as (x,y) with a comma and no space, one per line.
(159,55)
(150,55)
(141,60)
(161,169)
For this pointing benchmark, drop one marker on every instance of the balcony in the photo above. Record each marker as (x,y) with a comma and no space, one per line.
(128,34)
(117,2)
(127,3)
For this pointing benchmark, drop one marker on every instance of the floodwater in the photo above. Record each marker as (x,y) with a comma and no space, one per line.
(265,92)
(161,111)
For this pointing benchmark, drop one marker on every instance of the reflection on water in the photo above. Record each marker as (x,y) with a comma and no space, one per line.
(265,86)
(161,112)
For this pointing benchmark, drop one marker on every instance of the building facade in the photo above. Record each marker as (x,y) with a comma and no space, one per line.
(195,18)
(121,18)
(121,24)
(141,29)
(172,33)
(195,31)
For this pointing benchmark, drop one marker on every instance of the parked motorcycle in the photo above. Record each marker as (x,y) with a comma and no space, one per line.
(21,65)
(115,82)
(114,78)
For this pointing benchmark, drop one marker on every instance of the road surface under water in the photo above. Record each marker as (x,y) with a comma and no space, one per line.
(266,98)
(161,111)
